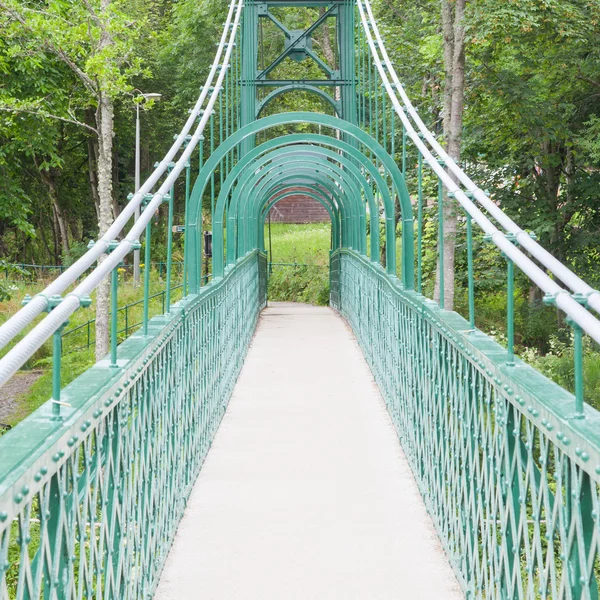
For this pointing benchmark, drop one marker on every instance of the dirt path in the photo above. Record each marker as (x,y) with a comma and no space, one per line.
(16,386)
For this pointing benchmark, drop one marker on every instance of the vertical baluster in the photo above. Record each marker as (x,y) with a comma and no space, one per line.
(56,369)
(393,128)
(404,139)
(384,138)
(114,307)
(185,224)
(510,312)
(471,283)
(510,304)
(578,360)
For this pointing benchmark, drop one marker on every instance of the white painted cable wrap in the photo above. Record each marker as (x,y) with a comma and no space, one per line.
(25,348)
(583,317)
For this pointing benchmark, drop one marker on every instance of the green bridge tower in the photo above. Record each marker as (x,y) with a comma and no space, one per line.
(260,83)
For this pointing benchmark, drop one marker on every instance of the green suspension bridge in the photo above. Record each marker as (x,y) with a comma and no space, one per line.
(481,479)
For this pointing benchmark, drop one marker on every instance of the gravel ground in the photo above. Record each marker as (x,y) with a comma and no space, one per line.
(9,393)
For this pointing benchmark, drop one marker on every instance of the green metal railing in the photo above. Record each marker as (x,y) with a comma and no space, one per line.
(508,470)
(86,331)
(90,501)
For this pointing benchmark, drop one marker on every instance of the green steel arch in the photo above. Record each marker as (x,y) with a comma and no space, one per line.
(350,204)
(280,178)
(330,208)
(350,130)
(356,156)
(282,156)
(298,87)
(327,201)
(350,234)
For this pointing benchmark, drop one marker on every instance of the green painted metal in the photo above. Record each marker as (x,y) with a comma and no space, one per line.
(248,132)
(512,486)
(298,165)
(335,104)
(94,483)
(90,500)
(347,165)
(325,140)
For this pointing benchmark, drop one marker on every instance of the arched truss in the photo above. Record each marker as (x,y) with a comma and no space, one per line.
(351,167)
(311,165)
(298,87)
(324,201)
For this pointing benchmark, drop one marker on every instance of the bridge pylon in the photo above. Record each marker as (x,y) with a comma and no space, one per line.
(261,82)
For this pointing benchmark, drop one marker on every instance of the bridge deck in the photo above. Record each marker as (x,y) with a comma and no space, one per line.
(306,493)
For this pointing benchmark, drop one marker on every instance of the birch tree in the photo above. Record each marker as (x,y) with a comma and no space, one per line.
(94,41)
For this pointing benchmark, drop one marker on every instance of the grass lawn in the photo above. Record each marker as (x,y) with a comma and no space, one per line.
(305,245)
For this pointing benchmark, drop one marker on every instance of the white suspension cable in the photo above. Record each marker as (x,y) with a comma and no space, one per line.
(22,351)
(580,315)
(522,237)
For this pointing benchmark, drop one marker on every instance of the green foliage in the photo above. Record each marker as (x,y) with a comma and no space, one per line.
(305,245)
(8,270)
(558,365)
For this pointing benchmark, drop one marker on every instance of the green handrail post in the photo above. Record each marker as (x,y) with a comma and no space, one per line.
(404,138)
(114,307)
(471,277)
(185,223)
(420,223)
(510,306)
(578,359)
(56,368)
(470,272)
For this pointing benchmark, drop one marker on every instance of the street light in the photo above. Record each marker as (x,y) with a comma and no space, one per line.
(136,253)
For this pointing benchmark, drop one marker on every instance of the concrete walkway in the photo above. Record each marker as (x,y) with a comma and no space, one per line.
(306,494)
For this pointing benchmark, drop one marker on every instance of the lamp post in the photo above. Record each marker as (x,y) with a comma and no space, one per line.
(136,253)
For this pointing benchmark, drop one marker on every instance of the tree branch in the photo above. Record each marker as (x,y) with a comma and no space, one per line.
(46,115)
(58,52)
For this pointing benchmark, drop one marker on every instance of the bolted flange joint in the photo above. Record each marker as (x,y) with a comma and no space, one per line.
(84,301)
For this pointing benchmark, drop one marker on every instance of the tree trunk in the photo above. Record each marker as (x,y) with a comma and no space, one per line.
(92,143)
(105,128)
(48,179)
(105,132)
(454,95)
